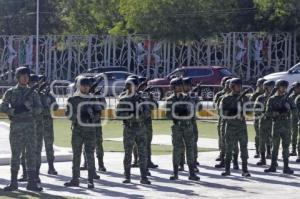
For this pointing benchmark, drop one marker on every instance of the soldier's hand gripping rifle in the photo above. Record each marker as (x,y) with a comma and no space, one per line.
(22,103)
(243,94)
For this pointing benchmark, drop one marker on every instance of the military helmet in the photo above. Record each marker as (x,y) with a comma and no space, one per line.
(133,77)
(42,78)
(33,78)
(269,83)
(296,84)
(224,79)
(260,81)
(281,82)
(22,71)
(84,81)
(176,82)
(235,81)
(187,81)
(142,79)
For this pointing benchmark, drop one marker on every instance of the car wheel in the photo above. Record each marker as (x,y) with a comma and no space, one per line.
(158,94)
(207,93)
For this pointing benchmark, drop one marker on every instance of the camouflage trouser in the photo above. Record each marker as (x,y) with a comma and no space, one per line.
(131,135)
(236,132)
(281,130)
(265,134)
(219,133)
(83,136)
(256,128)
(223,140)
(39,128)
(149,136)
(183,139)
(49,137)
(294,128)
(299,139)
(23,136)
(99,145)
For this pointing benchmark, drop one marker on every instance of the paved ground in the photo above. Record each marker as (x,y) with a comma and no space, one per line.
(212,185)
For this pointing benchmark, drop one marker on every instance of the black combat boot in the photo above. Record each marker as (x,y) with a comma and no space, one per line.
(151,165)
(13,182)
(245,172)
(293,153)
(235,162)
(91,176)
(269,156)
(262,160)
(75,180)
(219,157)
(298,159)
(286,168)
(272,168)
(227,169)
(175,173)
(32,184)
(24,175)
(84,165)
(101,166)
(127,176)
(144,178)
(221,164)
(51,169)
(95,175)
(193,176)
(257,153)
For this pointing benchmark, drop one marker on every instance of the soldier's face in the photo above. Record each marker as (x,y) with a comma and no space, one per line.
(297,90)
(187,88)
(269,89)
(237,88)
(178,89)
(282,89)
(85,89)
(23,79)
(260,87)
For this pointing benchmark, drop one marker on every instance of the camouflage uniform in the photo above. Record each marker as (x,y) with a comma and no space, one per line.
(182,133)
(134,132)
(22,132)
(82,135)
(294,124)
(297,102)
(217,100)
(278,108)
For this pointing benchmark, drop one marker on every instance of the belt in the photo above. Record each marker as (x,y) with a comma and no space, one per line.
(182,122)
(22,119)
(131,124)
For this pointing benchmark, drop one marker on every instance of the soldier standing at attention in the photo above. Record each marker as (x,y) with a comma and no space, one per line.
(216,101)
(82,114)
(187,88)
(22,104)
(222,132)
(278,108)
(49,104)
(180,110)
(259,91)
(297,102)
(236,128)
(131,110)
(294,118)
(265,122)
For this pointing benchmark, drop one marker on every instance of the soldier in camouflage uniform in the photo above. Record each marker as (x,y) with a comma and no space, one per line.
(216,101)
(222,126)
(236,128)
(265,122)
(278,108)
(82,115)
(259,91)
(187,89)
(49,104)
(294,118)
(21,112)
(133,112)
(297,102)
(180,110)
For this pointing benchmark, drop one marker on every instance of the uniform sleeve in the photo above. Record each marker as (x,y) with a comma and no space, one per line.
(37,104)
(169,108)
(53,101)
(70,112)
(269,108)
(5,105)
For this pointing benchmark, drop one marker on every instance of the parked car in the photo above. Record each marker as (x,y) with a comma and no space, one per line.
(112,82)
(292,75)
(205,75)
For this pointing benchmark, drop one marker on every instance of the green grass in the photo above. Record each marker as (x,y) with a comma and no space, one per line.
(114,129)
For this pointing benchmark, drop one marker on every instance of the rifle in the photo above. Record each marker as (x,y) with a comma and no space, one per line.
(23,98)
(94,85)
(196,88)
(42,87)
(141,85)
(243,94)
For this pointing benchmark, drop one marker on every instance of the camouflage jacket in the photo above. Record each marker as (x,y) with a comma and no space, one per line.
(279,107)
(232,106)
(48,102)
(179,107)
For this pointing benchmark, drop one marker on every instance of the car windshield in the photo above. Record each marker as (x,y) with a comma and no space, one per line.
(295,69)
(198,72)
(225,72)
(117,76)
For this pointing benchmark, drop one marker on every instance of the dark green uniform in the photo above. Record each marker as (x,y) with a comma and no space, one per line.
(297,102)
(294,124)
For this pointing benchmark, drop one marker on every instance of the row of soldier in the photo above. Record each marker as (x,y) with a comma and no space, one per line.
(24,106)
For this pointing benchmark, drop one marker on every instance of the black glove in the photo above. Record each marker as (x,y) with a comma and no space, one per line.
(21,109)
(85,114)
